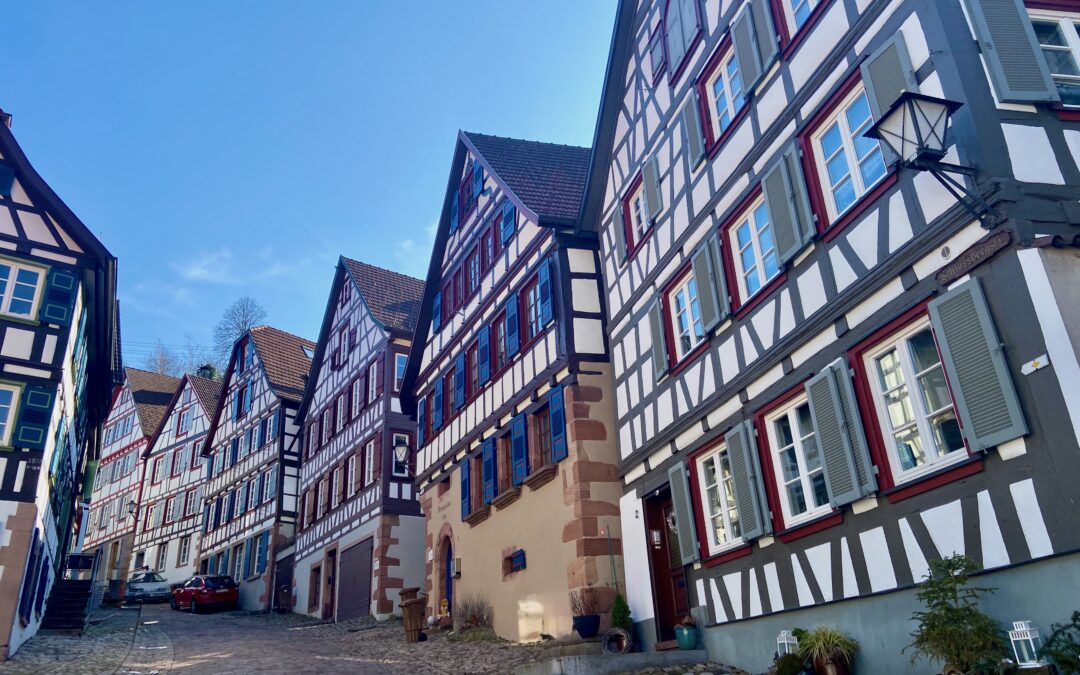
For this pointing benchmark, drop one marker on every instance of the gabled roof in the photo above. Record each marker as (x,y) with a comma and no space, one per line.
(393,298)
(207,391)
(152,394)
(284,360)
(547,177)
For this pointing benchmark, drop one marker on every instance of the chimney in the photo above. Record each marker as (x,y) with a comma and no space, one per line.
(206,371)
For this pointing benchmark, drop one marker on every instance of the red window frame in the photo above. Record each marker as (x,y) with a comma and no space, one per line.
(459,287)
(499,357)
(487,253)
(676,70)
(465,193)
(713,144)
(741,306)
(789,42)
(176,454)
(629,236)
(675,364)
(815,190)
(707,559)
(180,430)
(154,479)
(473,281)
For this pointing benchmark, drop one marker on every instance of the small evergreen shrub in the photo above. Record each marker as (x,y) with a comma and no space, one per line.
(620,614)
(1063,646)
(789,664)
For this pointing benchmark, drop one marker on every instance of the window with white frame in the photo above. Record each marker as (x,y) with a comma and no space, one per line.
(190,504)
(20,288)
(170,509)
(341,412)
(373,383)
(796,459)
(184,422)
(848,163)
(184,554)
(253,494)
(754,249)
(271,482)
(914,406)
(177,461)
(357,397)
(238,561)
(369,462)
(725,92)
(322,499)
(685,316)
(9,397)
(717,495)
(796,12)
(350,478)
(637,215)
(400,470)
(327,425)
(162,556)
(335,488)
(400,361)
(1058,34)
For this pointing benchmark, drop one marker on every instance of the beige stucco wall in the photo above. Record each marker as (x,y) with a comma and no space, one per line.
(562,526)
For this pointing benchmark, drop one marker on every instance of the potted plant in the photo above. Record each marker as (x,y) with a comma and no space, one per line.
(952,629)
(686,633)
(583,607)
(619,638)
(829,650)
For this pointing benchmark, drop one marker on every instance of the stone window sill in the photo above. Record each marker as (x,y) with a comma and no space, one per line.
(506,498)
(544,474)
(478,516)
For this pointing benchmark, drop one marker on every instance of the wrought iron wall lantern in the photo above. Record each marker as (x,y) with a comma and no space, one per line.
(915,129)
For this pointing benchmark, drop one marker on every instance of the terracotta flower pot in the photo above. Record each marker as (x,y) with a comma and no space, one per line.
(831,667)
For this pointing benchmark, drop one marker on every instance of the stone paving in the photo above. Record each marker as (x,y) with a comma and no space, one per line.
(234,642)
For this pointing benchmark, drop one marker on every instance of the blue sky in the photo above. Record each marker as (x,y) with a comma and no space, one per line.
(234,148)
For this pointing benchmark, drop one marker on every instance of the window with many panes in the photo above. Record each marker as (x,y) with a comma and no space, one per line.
(400,361)
(472,265)
(1058,34)
(335,489)
(191,504)
(796,459)
(327,426)
(754,249)
(498,343)
(725,91)
(636,215)
(717,493)
(797,12)
(848,163)
(322,499)
(369,462)
(9,397)
(914,406)
(20,288)
(685,315)
(350,478)
(342,412)
(184,553)
(531,296)
(373,380)
(162,556)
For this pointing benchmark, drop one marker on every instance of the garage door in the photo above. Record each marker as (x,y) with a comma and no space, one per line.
(354,582)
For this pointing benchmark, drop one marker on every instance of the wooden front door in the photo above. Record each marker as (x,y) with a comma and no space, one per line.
(354,586)
(668,573)
(448,580)
(331,580)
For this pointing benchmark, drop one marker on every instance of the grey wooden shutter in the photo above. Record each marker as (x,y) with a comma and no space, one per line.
(839,433)
(971,353)
(659,339)
(684,514)
(692,132)
(764,32)
(618,231)
(887,73)
(742,36)
(1013,56)
(754,520)
(709,277)
(651,177)
(789,206)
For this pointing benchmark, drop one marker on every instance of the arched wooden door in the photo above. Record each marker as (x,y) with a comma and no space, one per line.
(448,577)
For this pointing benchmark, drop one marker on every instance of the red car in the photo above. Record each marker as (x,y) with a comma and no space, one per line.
(205,590)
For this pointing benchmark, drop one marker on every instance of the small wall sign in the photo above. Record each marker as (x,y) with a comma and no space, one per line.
(1036,363)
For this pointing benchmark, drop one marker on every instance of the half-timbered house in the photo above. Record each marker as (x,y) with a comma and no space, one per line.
(361,533)
(253,462)
(139,407)
(57,335)
(169,523)
(830,368)
(509,377)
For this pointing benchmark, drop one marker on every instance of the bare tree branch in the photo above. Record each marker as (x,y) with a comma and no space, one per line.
(162,361)
(236,320)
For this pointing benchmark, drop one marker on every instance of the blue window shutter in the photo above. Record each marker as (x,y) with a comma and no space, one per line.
(224,568)
(236,405)
(519,450)
(205,518)
(483,354)
(513,325)
(437,405)
(454,212)
(509,221)
(250,395)
(436,312)
(466,490)
(34,414)
(421,418)
(7,180)
(459,381)
(477,179)
(263,553)
(247,556)
(557,419)
(490,474)
(543,285)
(261,490)
(59,297)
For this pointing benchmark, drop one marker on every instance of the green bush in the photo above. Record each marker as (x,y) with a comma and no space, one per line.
(789,664)
(824,644)
(620,614)
(952,629)
(1063,646)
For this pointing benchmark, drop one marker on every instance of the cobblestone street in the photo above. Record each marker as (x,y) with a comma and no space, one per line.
(232,642)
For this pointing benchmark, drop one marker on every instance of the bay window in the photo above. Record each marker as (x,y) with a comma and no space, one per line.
(796,459)
(1058,35)
(751,240)
(685,316)
(914,405)
(20,288)
(717,494)
(848,163)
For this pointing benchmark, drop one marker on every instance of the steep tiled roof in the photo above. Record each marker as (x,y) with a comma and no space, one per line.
(152,393)
(208,392)
(284,359)
(393,298)
(549,178)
